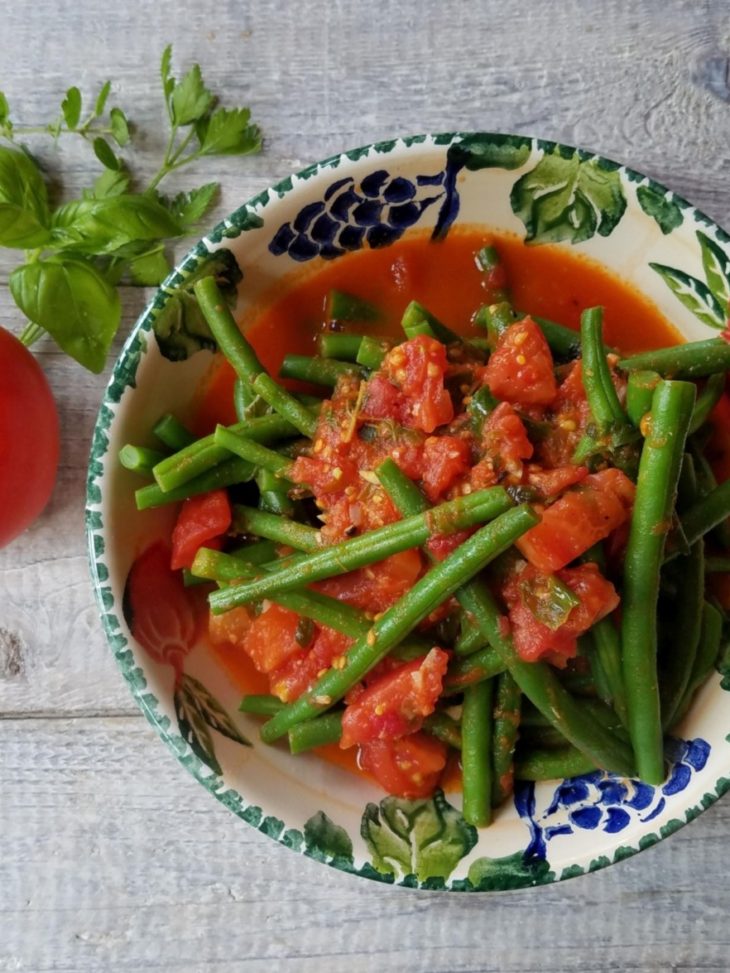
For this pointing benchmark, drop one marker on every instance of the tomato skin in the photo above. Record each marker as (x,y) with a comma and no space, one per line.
(301,669)
(397,703)
(551,483)
(578,520)
(29,438)
(408,767)
(520,369)
(201,520)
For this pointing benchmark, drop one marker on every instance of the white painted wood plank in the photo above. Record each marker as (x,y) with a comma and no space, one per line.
(114,859)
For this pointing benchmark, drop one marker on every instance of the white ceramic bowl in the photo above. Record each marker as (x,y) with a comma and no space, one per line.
(672,253)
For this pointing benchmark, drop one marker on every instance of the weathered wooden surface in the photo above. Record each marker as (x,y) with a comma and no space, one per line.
(111,858)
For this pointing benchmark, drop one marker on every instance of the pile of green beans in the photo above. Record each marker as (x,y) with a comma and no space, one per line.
(503,717)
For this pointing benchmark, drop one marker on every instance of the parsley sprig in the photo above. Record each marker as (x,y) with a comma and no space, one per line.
(78,252)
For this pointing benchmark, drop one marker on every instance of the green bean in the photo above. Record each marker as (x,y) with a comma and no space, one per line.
(541,686)
(139,459)
(600,392)
(343,347)
(507,711)
(315,733)
(274,494)
(243,396)
(541,738)
(203,454)
(374,546)
(248,520)
(553,764)
(659,467)
(605,652)
(563,342)
(639,393)
(476,746)
(482,664)
(707,400)
(488,260)
(710,511)
(341,306)
(260,705)
(469,639)
(317,371)
(495,319)
(717,565)
(249,449)
(172,433)
(436,586)
(226,332)
(695,359)
(418,320)
(684,633)
(371,352)
(706,483)
(705,659)
(444,728)
(285,404)
(223,474)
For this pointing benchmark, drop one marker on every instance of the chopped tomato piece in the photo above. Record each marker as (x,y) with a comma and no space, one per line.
(520,369)
(272,638)
(718,448)
(383,400)
(445,458)
(201,519)
(535,639)
(324,476)
(229,627)
(504,437)
(578,520)
(417,369)
(377,587)
(303,668)
(551,483)
(441,545)
(397,703)
(408,767)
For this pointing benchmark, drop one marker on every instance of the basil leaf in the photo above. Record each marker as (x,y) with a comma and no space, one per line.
(228,132)
(568,199)
(71,107)
(24,215)
(190,208)
(73,303)
(101,98)
(151,268)
(180,328)
(99,226)
(190,98)
(104,153)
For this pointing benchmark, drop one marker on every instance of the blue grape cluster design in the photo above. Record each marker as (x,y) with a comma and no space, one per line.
(375,213)
(605,801)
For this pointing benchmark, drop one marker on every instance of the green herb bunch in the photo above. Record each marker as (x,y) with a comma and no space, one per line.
(77,254)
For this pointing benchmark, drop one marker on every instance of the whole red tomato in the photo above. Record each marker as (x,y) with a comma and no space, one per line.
(29,440)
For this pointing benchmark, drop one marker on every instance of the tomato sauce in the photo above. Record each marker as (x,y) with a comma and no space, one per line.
(548,281)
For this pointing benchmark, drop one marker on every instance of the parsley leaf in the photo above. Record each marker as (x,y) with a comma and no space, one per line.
(189,208)
(190,98)
(71,107)
(228,132)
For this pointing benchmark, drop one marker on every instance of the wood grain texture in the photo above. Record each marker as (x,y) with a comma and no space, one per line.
(114,860)
(112,857)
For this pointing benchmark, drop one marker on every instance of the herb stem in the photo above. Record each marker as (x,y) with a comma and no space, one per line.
(31,333)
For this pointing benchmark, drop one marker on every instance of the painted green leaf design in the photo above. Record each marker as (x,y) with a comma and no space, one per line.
(193,726)
(568,199)
(426,838)
(327,841)
(179,325)
(197,713)
(479,152)
(717,270)
(693,293)
(510,872)
(660,207)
